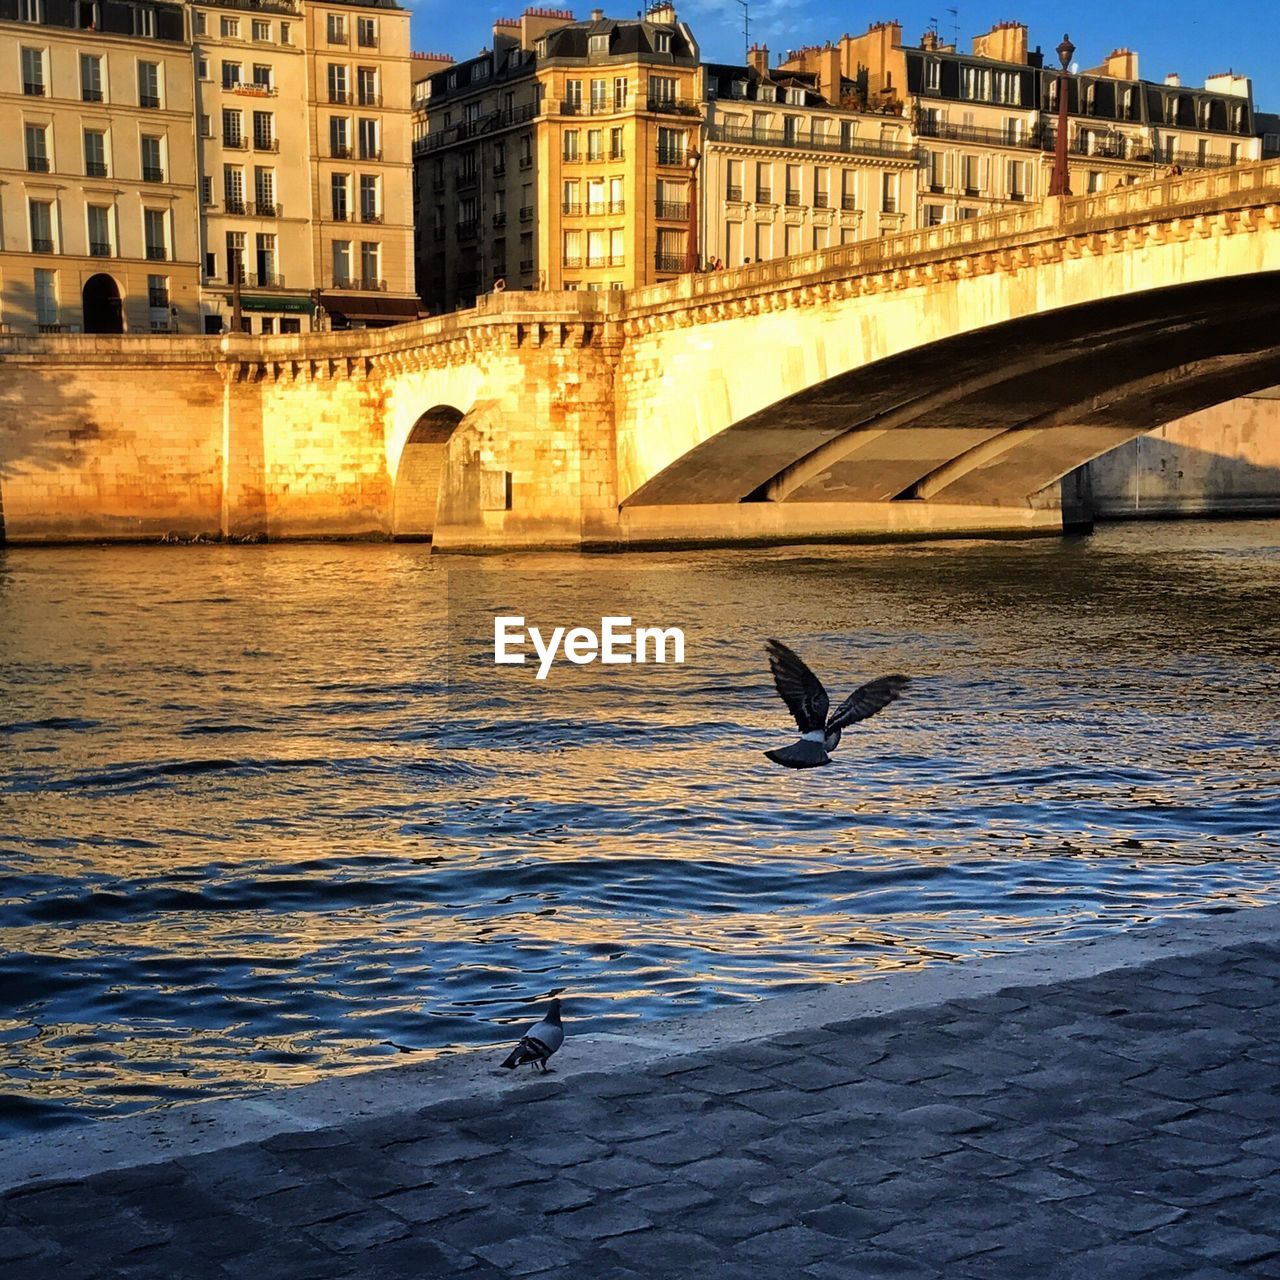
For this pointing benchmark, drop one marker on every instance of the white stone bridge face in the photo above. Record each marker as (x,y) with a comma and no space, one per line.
(940,381)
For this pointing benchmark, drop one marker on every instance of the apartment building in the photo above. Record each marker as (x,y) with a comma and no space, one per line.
(99,227)
(255,165)
(359,91)
(793,161)
(560,159)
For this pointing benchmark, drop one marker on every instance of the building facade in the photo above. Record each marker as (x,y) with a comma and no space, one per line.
(99,226)
(793,161)
(560,159)
(255,165)
(359,123)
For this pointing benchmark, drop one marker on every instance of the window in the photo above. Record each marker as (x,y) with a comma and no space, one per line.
(152,163)
(265,245)
(263,77)
(233,187)
(99,217)
(662,90)
(599,96)
(264,191)
(369,205)
(370,147)
(91,77)
(1017,180)
(764,190)
(158,291)
(571,144)
(31,11)
(206,191)
(671,147)
(367,84)
(569,202)
(264,131)
(598,44)
(41,213)
(339,84)
(619,93)
(889,193)
(370,265)
(597,249)
(367,33)
(615,144)
(595,196)
(932,75)
(286,36)
(339,188)
(615,195)
(339,137)
(934,215)
(37,136)
(230,28)
(972,175)
(337,28)
(148,84)
(235,257)
(46,283)
(156,234)
(662,42)
(573,248)
(573,95)
(1095,181)
(526,151)
(197,23)
(261,31)
(232,74)
(144,21)
(33,72)
(617,252)
(95,153)
(202,68)
(595,144)
(499,158)
(232,128)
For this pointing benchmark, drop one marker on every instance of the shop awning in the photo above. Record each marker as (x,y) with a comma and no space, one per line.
(263,302)
(370,308)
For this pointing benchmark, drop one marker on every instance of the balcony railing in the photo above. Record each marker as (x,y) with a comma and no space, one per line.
(370,285)
(673,209)
(375,153)
(820,200)
(157,253)
(95,169)
(99,248)
(32,90)
(267,280)
(465,181)
(148,100)
(526,266)
(37,164)
(234,206)
(573,208)
(526,162)
(341,97)
(339,153)
(848,203)
(235,142)
(152,174)
(764,195)
(889,205)
(733,193)
(526,213)
(340,215)
(792,199)
(368,215)
(468,230)
(52,328)
(370,99)
(499,219)
(780,138)
(944,129)
(674,106)
(90,95)
(266,144)
(572,262)
(39,245)
(668,262)
(266,209)
(672,155)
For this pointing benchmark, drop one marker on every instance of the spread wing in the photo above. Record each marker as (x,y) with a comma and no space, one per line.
(798,687)
(864,702)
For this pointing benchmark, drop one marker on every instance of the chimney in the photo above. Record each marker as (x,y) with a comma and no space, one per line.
(1005,42)
(758,59)
(1173,80)
(597,15)
(663,12)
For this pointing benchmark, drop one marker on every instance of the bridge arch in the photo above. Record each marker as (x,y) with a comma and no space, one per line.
(416,498)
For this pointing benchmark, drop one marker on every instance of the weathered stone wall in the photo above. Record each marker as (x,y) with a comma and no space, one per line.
(1222,461)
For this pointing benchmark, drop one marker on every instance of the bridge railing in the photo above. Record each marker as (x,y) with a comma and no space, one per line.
(887,252)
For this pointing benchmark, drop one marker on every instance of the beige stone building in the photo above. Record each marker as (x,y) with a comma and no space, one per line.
(359,122)
(560,159)
(255,164)
(99,229)
(793,161)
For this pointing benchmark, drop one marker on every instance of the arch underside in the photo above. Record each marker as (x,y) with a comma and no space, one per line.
(418,477)
(994,416)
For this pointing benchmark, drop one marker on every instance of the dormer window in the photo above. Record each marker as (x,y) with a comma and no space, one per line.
(480,72)
(452,81)
(598,44)
(662,42)
(933,75)
(736,89)
(541,47)
(795,97)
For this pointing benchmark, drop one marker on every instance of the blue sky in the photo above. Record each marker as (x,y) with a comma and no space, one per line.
(1194,39)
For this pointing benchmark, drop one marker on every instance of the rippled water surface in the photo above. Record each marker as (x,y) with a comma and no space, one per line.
(270,812)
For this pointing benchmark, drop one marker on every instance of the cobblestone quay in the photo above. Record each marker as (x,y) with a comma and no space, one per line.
(1099,1110)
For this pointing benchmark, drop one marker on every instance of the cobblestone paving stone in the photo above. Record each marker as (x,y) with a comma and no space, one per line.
(1112,1128)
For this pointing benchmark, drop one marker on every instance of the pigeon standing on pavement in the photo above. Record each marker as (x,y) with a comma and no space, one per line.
(540,1041)
(803,693)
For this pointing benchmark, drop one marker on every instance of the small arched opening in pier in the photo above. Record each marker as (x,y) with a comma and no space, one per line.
(417,492)
(103,308)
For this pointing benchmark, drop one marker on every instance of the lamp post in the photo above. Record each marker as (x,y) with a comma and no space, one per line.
(1061,182)
(691,249)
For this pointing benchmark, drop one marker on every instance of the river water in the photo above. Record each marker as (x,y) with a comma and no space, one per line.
(271,812)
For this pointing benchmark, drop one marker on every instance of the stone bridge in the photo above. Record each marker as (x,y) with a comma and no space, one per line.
(936,382)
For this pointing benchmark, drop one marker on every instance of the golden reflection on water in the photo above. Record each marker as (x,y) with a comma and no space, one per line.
(271,813)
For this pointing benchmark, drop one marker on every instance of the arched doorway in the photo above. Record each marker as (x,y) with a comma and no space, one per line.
(417,492)
(103,310)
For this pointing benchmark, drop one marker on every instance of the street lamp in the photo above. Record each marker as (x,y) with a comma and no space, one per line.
(691,249)
(1061,182)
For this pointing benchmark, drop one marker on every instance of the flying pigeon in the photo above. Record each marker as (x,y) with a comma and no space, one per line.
(540,1041)
(803,693)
